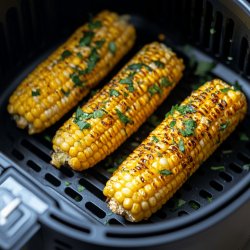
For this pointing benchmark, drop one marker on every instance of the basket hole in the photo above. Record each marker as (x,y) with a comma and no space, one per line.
(161,214)
(215,185)
(227,41)
(63,244)
(33,166)
(217,33)
(73,194)
(194,205)
(35,150)
(204,194)
(235,168)
(17,154)
(93,189)
(226,177)
(114,222)
(243,53)
(201,172)
(182,213)
(187,187)
(243,158)
(68,172)
(207,24)
(53,180)
(95,210)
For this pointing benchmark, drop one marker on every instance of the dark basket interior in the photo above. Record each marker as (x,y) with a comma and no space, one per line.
(29,31)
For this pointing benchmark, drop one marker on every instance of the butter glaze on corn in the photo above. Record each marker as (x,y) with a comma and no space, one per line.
(137,188)
(55,93)
(82,149)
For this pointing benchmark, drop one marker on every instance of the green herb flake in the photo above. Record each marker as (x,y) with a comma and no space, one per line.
(123,118)
(138,66)
(86,39)
(80,188)
(65,54)
(92,61)
(128,80)
(164,82)
(209,199)
(112,47)
(47,138)
(155,139)
(181,146)
(113,92)
(203,68)
(125,94)
(100,43)
(67,183)
(244,137)
(225,90)
(236,86)
(66,93)
(223,126)
(76,80)
(172,124)
(98,113)
(194,205)
(78,198)
(111,170)
(246,167)
(159,64)
(225,152)
(189,128)
(94,24)
(186,109)
(81,117)
(178,204)
(165,172)
(79,54)
(171,112)
(35,92)
(154,89)
(217,168)
(212,31)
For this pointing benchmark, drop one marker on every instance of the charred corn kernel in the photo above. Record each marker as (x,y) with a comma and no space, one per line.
(118,110)
(191,133)
(62,80)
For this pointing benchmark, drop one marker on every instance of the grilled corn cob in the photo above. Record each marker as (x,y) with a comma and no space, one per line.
(189,134)
(118,110)
(63,79)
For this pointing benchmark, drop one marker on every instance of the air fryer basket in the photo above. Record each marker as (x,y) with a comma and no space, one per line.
(78,217)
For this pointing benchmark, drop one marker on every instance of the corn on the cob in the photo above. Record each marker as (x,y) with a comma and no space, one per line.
(118,110)
(63,79)
(174,150)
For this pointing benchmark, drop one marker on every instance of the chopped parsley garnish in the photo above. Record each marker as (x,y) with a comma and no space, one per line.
(47,138)
(189,128)
(155,139)
(138,66)
(65,54)
(129,81)
(100,43)
(246,167)
(165,172)
(164,82)
(81,117)
(209,199)
(123,118)
(203,68)
(186,109)
(225,90)
(159,64)
(98,113)
(236,86)
(66,93)
(154,89)
(225,152)
(76,80)
(244,137)
(112,47)
(94,24)
(125,94)
(171,112)
(218,168)
(35,92)
(178,204)
(80,188)
(194,205)
(114,92)
(67,183)
(79,54)
(86,39)
(181,146)
(111,170)
(223,126)
(172,124)
(93,59)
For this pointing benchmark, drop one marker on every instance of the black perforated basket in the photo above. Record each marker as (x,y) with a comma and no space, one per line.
(211,210)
